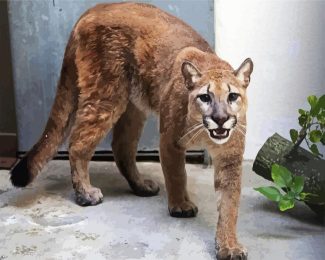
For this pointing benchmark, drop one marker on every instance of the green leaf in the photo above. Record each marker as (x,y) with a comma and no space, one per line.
(323,139)
(297,184)
(290,195)
(312,100)
(293,135)
(300,197)
(272,193)
(315,136)
(285,204)
(281,176)
(305,195)
(314,105)
(302,120)
(314,149)
(320,118)
(301,111)
(321,102)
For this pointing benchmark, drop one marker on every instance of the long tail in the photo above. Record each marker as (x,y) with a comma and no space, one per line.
(56,128)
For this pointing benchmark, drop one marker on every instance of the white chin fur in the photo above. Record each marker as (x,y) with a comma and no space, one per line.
(221,141)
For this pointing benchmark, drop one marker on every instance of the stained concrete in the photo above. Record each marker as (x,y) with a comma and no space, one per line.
(43,222)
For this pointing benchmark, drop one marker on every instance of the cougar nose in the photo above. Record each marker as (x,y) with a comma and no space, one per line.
(220,120)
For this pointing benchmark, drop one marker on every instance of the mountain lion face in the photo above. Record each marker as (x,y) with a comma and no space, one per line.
(218,99)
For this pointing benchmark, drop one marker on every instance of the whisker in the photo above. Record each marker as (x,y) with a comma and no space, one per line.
(191,130)
(201,131)
(198,133)
(241,125)
(195,136)
(240,131)
(195,125)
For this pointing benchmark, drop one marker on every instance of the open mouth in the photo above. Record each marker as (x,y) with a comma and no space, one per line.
(219,133)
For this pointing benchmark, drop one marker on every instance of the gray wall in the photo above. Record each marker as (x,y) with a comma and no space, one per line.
(7,107)
(39,31)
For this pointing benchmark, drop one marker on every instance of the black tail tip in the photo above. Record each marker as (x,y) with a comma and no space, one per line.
(20,175)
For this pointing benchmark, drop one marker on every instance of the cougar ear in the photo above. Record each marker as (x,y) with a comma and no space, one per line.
(191,74)
(244,72)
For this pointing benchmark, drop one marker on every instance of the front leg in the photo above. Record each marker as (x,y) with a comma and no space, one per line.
(173,164)
(228,182)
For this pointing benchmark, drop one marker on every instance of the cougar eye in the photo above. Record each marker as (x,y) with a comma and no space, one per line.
(233,97)
(205,98)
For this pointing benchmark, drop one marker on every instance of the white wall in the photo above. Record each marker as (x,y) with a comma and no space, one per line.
(286,41)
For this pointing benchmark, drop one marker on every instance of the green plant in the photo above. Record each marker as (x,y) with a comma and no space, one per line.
(288,189)
(312,124)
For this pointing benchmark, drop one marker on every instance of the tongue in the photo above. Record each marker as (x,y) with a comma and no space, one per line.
(220,131)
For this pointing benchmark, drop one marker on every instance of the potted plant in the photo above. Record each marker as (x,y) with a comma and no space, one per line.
(297,173)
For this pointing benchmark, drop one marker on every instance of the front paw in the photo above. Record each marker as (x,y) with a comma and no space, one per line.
(89,196)
(185,209)
(145,188)
(237,252)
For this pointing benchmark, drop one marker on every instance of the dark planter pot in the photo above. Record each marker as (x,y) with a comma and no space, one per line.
(300,162)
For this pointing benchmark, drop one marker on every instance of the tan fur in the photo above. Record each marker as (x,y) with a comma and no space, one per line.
(123,61)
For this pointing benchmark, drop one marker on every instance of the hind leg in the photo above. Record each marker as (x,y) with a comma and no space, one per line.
(93,120)
(126,134)
(102,98)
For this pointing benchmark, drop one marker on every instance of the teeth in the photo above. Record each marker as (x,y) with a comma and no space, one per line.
(214,132)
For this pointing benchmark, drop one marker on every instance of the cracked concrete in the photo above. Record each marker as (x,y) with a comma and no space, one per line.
(43,222)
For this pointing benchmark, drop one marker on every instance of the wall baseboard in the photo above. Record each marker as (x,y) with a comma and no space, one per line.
(142,156)
(8,144)
(7,162)
(8,150)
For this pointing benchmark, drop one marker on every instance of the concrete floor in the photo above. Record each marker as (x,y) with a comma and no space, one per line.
(43,222)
